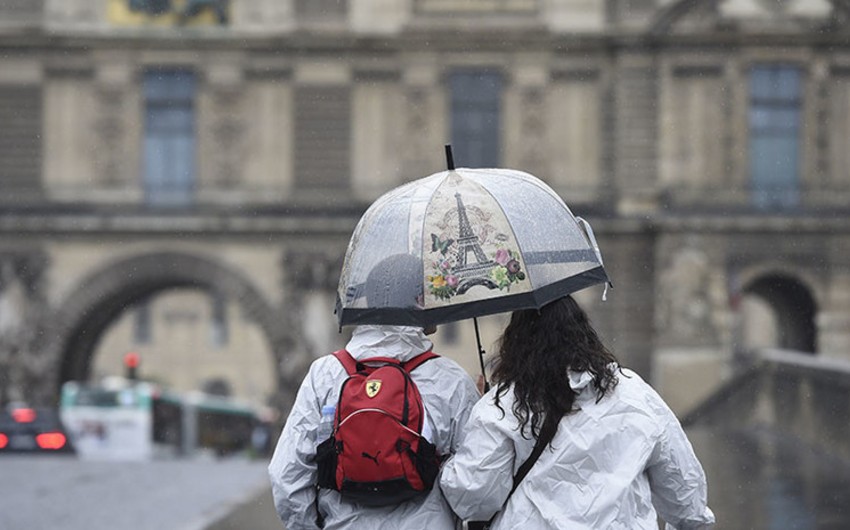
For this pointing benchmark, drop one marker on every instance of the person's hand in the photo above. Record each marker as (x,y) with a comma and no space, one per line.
(481,384)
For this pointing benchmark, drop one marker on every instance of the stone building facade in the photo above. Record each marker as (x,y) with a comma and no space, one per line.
(230,147)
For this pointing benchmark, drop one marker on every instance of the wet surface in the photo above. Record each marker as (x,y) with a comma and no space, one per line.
(757,480)
(48,491)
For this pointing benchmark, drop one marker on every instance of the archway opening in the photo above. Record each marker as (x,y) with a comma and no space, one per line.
(206,324)
(187,340)
(778,311)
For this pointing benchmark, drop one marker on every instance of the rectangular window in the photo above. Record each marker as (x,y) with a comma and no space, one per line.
(322,137)
(20,141)
(775,114)
(169,149)
(476,99)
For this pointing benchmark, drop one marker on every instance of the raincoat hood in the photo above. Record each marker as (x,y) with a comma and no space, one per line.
(399,342)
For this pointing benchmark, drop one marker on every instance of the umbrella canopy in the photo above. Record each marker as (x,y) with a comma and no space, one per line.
(464,243)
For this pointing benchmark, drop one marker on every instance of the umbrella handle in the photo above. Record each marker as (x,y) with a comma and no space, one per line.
(481,354)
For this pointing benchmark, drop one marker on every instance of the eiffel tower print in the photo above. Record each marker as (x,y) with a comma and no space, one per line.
(475,272)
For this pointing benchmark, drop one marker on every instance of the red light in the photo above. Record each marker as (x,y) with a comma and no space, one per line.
(50,440)
(23,415)
(4,440)
(131,360)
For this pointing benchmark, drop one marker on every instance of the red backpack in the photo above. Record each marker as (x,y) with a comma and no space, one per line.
(376,455)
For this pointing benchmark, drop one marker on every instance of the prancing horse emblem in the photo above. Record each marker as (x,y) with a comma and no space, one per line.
(373,386)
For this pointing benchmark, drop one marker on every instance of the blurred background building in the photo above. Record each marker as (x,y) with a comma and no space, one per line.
(180,178)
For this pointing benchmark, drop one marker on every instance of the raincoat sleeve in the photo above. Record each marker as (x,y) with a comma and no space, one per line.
(677,480)
(476,481)
(463,400)
(292,470)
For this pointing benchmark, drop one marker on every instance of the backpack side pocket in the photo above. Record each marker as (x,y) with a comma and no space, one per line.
(326,460)
(427,462)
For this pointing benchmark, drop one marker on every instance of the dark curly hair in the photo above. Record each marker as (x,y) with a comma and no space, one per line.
(537,349)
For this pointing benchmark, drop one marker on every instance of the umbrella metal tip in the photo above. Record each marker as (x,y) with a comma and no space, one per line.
(450,161)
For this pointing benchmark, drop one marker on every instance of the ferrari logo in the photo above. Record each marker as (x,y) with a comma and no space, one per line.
(373,386)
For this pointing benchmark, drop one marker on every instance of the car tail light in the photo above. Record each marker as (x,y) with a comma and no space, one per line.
(50,440)
(4,440)
(23,415)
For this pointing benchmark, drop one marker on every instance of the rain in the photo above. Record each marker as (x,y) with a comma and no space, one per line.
(181,181)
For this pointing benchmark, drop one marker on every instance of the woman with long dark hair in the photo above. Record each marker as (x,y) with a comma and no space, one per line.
(615,454)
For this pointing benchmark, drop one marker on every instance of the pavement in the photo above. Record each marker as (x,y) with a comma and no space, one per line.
(65,493)
(255,513)
(756,480)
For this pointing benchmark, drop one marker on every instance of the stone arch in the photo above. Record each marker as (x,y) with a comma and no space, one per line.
(669,15)
(808,280)
(85,314)
(793,304)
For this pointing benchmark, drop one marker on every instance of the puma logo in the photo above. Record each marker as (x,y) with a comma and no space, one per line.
(370,457)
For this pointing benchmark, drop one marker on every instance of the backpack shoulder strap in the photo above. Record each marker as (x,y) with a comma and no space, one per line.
(346,360)
(546,435)
(417,361)
(353,366)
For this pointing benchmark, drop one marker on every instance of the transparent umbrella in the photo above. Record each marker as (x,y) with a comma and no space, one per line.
(464,243)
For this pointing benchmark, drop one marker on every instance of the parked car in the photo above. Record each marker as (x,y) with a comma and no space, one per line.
(26,429)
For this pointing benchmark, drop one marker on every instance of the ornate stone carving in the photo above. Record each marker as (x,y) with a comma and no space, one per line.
(110,131)
(533,127)
(310,270)
(23,309)
(228,132)
(688,297)
(311,279)
(417,125)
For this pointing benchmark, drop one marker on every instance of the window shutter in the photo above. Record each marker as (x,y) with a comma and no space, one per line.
(20,139)
(322,136)
(476,99)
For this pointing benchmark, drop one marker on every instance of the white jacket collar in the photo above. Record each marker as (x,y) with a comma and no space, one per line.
(398,342)
(579,380)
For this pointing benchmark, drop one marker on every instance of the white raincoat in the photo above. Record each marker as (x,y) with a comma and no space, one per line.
(448,394)
(610,463)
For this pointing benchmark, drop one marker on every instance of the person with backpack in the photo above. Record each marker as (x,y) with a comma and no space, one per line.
(588,443)
(370,428)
